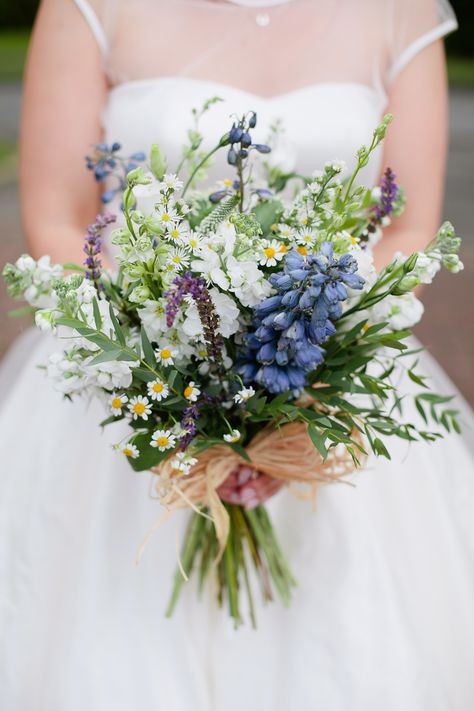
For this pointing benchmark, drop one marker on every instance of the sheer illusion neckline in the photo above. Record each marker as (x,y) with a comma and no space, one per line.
(220,86)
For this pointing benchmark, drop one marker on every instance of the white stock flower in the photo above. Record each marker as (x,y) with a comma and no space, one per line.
(152,314)
(226,309)
(247,282)
(112,374)
(399,311)
(209,265)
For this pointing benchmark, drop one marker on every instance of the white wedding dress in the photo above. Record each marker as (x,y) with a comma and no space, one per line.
(383,617)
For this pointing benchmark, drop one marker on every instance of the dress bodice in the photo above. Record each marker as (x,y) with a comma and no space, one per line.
(317,124)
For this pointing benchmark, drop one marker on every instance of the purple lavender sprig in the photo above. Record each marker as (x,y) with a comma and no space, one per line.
(190,418)
(185,285)
(93,247)
(388,197)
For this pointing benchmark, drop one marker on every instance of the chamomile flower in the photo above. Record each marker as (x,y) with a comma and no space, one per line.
(139,406)
(271,253)
(183,462)
(167,214)
(232,437)
(165,354)
(307,238)
(191,392)
(163,440)
(177,232)
(130,450)
(158,390)
(117,402)
(194,241)
(285,231)
(172,182)
(177,259)
(244,395)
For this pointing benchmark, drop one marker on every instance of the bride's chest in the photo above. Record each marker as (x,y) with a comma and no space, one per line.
(317,123)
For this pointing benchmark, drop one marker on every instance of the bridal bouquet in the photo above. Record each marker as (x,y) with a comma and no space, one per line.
(245,339)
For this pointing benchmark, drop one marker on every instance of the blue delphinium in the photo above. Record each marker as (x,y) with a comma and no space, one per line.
(291,326)
(106,163)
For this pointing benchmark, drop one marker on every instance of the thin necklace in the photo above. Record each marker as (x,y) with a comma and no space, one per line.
(261,18)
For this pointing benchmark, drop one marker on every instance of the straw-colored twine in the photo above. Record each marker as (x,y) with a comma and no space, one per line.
(286,453)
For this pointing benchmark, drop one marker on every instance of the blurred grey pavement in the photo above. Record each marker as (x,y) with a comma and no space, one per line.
(447,329)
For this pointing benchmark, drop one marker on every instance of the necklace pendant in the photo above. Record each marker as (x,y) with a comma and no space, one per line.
(262,19)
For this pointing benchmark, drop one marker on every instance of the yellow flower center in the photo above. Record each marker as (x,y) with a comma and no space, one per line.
(174,234)
(354,240)
(304,221)
(365,327)
(188,391)
(116,403)
(307,238)
(269,252)
(139,408)
(165,353)
(227,183)
(283,248)
(166,217)
(302,250)
(162,441)
(158,387)
(177,259)
(128,452)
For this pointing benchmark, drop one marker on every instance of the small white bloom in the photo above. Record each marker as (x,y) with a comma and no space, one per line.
(158,390)
(177,233)
(209,265)
(177,259)
(172,182)
(44,320)
(307,238)
(183,462)
(167,214)
(139,406)
(163,440)
(195,242)
(117,402)
(191,392)
(244,395)
(86,292)
(25,263)
(130,451)
(232,437)
(272,253)
(165,354)
(399,311)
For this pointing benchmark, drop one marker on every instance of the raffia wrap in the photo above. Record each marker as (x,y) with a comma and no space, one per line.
(286,453)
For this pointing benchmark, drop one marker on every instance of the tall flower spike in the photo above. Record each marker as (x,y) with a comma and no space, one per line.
(93,248)
(291,327)
(187,284)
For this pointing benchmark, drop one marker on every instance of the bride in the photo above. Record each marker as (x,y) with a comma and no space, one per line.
(383,616)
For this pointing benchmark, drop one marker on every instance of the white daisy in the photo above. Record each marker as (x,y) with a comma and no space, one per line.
(130,451)
(183,462)
(244,395)
(307,238)
(163,440)
(158,390)
(232,437)
(167,214)
(172,182)
(177,259)
(178,233)
(117,402)
(285,231)
(272,253)
(139,406)
(191,392)
(194,241)
(165,354)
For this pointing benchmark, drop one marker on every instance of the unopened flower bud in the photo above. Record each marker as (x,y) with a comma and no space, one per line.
(405,285)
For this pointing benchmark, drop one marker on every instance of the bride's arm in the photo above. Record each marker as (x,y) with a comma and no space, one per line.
(64,93)
(415,148)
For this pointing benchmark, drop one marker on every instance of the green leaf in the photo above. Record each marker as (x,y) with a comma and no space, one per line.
(147,348)
(149,456)
(380,449)
(318,440)
(117,328)
(97,315)
(144,375)
(157,162)
(268,213)
(105,357)
(70,322)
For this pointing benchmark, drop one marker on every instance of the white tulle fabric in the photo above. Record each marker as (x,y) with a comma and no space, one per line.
(383,615)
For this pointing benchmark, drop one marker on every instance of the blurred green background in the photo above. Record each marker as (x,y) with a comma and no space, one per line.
(16,17)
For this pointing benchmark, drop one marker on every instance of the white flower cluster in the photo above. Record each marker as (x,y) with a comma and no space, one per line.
(36,279)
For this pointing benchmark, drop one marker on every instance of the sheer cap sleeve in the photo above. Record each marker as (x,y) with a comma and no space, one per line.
(415,24)
(92,11)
